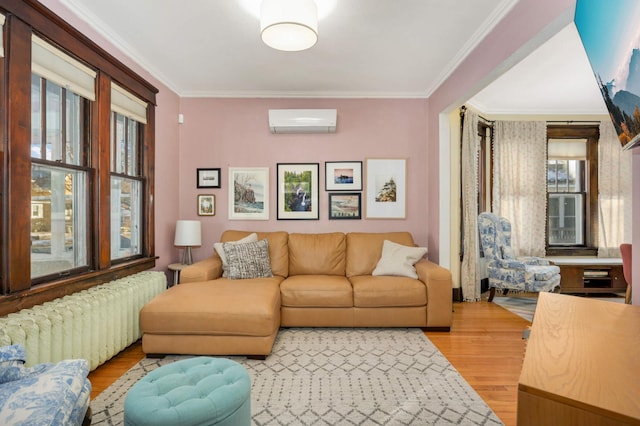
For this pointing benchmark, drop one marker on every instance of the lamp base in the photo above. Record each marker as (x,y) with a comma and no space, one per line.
(187,259)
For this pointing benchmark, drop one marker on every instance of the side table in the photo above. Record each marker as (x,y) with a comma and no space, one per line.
(176,268)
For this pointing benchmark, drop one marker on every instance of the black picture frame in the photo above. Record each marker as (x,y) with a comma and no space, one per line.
(208,178)
(343,176)
(345,206)
(298,191)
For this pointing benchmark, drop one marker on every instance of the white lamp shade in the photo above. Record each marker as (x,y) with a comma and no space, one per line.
(289,25)
(188,233)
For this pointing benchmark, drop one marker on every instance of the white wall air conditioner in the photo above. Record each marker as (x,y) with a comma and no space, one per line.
(302,120)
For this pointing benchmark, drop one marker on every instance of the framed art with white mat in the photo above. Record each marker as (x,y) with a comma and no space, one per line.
(386,188)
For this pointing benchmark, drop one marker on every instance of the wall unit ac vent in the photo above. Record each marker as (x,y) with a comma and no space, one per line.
(302,120)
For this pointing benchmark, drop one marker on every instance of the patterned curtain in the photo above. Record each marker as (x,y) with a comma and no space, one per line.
(469,276)
(520,182)
(614,192)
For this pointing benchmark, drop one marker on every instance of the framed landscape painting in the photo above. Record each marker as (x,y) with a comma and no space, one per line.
(386,188)
(345,205)
(249,193)
(343,176)
(298,191)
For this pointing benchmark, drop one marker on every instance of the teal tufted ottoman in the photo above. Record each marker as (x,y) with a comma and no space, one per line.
(195,391)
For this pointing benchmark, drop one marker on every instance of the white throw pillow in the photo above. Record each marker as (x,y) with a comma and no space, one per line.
(218,247)
(398,260)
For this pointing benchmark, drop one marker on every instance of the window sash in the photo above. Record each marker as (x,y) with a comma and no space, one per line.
(58,220)
(126,217)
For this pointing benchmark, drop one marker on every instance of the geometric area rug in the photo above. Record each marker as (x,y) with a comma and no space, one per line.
(522,306)
(525,306)
(339,376)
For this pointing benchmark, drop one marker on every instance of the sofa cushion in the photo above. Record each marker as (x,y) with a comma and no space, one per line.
(278,248)
(247,260)
(315,291)
(251,238)
(317,254)
(365,248)
(387,291)
(398,260)
(222,307)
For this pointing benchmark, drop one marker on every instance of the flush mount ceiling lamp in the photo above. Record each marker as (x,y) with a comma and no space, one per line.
(289,25)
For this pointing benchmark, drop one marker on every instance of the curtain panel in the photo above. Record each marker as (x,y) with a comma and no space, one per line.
(614,192)
(469,276)
(520,182)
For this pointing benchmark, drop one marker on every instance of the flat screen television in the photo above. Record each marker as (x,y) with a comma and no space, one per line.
(610,33)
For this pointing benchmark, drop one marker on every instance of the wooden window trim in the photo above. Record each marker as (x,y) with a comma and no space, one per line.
(590,132)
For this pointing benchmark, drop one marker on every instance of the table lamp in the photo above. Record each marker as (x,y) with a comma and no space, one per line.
(187,235)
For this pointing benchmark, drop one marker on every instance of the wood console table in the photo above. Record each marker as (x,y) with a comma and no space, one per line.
(590,275)
(582,365)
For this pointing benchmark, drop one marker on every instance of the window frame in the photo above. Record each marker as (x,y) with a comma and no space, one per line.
(590,132)
(17,290)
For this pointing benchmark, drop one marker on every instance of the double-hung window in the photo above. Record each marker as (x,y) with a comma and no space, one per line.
(128,116)
(61,92)
(572,189)
(566,190)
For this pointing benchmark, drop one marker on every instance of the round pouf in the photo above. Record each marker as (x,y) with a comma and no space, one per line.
(195,391)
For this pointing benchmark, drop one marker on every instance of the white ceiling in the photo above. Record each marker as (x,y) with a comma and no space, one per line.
(366,48)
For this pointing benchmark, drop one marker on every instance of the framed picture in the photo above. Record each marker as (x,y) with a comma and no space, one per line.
(298,191)
(386,188)
(208,178)
(206,205)
(343,176)
(345,206)
(249,198)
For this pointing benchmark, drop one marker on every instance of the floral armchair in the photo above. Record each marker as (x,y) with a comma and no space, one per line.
(506,271)
(45,394)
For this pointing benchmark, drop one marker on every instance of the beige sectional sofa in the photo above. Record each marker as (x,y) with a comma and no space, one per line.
(318,280)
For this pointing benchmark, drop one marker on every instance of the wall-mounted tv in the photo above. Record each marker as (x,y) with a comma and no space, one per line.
(610,34)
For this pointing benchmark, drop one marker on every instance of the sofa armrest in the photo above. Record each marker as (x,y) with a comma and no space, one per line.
(204,270)
(439,293)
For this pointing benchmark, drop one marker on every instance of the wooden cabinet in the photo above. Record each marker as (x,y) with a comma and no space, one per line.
(581,365)
(590,275)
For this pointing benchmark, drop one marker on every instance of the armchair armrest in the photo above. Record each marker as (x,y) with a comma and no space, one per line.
(531,260)
(12,353)
(507,264)
(439,293)
(203,270)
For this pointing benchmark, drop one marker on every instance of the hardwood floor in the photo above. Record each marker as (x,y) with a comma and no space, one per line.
(485,345)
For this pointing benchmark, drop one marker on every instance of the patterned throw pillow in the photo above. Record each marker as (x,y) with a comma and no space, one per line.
(248,260)
(251,238)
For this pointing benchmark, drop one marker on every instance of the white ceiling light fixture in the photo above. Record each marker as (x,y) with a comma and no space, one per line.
(289,25)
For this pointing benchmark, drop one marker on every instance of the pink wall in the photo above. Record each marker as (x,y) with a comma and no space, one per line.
(234,133)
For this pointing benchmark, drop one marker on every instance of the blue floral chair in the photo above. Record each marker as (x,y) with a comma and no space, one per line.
(45,394)
(506,271)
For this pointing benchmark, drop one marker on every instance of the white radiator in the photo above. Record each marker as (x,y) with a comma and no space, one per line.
(93,324)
